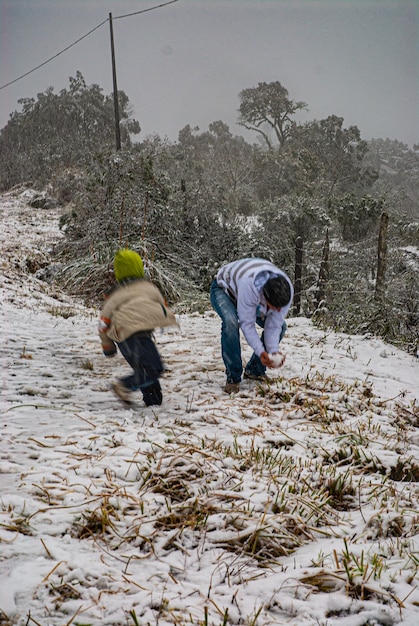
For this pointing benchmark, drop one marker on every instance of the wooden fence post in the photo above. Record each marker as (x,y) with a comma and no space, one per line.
(297,274)
(382,257)
(323,272)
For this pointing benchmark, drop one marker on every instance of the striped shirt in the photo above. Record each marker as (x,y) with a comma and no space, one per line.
(243,281)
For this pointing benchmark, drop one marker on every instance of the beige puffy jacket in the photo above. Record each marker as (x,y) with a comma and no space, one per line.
(130,308)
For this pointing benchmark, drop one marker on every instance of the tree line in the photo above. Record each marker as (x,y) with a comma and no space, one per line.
(210,197)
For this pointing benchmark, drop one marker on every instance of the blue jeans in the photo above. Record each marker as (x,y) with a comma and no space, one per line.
(226,308)
(141,353)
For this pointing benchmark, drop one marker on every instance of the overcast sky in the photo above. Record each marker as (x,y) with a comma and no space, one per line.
(187,62)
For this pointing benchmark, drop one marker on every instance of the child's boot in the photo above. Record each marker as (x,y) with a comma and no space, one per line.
(152,394)
(122,392)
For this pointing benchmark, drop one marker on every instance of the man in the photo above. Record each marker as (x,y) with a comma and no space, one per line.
(245,293)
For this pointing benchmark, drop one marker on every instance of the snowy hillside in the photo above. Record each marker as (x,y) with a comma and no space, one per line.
(294,502)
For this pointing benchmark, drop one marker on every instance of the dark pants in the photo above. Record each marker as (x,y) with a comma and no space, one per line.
(141,353)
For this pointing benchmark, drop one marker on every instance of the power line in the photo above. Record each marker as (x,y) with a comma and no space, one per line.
(84,37)
(54,57)
(119,17)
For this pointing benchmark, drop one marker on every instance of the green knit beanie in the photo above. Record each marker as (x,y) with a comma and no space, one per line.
(127,264)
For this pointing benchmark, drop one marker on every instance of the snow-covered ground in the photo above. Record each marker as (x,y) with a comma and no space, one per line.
(294,503)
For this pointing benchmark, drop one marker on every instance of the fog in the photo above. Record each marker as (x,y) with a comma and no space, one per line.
(187,61)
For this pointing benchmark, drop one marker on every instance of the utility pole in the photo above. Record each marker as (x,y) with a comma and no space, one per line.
(297,274)
(115,89)
(382,258)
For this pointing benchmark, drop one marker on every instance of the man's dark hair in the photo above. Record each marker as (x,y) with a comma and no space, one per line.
(277,291)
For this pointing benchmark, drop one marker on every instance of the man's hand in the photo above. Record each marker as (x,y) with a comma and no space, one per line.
(272,360)
(266,360)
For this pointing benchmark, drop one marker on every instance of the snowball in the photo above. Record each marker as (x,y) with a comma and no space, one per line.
(278,358)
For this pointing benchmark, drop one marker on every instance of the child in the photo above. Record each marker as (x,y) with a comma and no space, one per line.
(131,312)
